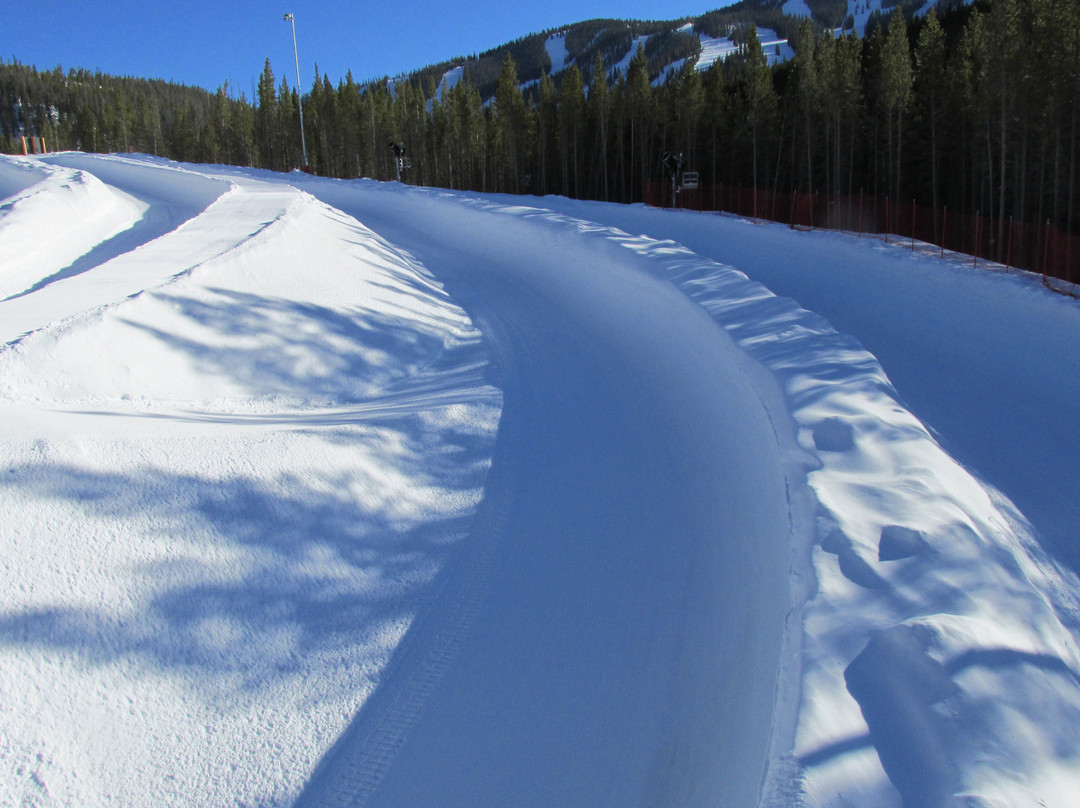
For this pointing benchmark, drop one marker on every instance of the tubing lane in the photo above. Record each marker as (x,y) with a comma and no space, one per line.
(610,632)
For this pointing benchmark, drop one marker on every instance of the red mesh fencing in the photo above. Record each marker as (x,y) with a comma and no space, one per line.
(1041,248)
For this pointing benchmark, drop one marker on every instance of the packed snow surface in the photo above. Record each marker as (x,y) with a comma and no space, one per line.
(451,78)
(324,492)
(555,45)
(714,49)
(775,47)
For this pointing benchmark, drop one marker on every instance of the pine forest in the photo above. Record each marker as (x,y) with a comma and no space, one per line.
(975,109)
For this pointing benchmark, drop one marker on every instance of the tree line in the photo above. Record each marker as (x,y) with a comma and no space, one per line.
(975,110)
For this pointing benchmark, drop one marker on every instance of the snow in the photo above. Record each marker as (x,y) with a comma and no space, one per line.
(669,72)
(776,49)
(797,8)
(319,490)
(81,211)
(714,49)
(860,10)
(992,615)
(623,64)
(449,81)
(226,496)
(556,50)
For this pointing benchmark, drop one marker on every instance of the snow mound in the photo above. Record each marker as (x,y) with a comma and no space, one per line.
(48,223)
(227,494)
(928,600)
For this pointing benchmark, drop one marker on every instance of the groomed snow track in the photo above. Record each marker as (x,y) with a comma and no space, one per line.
(614,637)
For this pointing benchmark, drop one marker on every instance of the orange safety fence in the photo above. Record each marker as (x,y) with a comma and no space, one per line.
(1041,248)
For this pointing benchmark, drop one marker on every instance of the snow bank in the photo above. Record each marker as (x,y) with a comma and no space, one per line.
(932,603)
(939,651)
(17,175)
(150,245)
(50,216)
(226,498)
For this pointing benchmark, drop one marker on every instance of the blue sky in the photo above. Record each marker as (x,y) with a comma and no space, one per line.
(206,44)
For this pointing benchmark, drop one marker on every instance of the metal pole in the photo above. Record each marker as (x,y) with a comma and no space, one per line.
(975,257)
(299,92)
(944,215)
(1046,250)
(1008,252)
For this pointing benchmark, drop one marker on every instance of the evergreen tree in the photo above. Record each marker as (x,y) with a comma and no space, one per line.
(807,84)
(930,83)
(894,90)
(548,147)
(599,105)
(1006,80)
(266,128)
(689,108)
(969,92)
(571,116)
(639,106)
(761,101)
(716,114)
(511,128)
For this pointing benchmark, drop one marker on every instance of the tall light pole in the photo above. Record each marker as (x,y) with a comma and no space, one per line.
(299,92)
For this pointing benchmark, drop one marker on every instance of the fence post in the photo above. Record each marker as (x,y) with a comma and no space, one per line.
(1008,248)
(975,257)
(1046,250)
(944,216)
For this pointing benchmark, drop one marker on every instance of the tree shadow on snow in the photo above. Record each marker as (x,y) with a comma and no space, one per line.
(277,346)
(301,566)
(298,570)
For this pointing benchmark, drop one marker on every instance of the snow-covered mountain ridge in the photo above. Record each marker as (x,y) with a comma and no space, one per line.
(701,40)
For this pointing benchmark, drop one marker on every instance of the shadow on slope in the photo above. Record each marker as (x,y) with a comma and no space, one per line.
(262,571)
(278,346)
(158,220)
(260,574)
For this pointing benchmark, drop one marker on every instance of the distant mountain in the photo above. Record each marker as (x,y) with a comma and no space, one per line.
(669,44)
